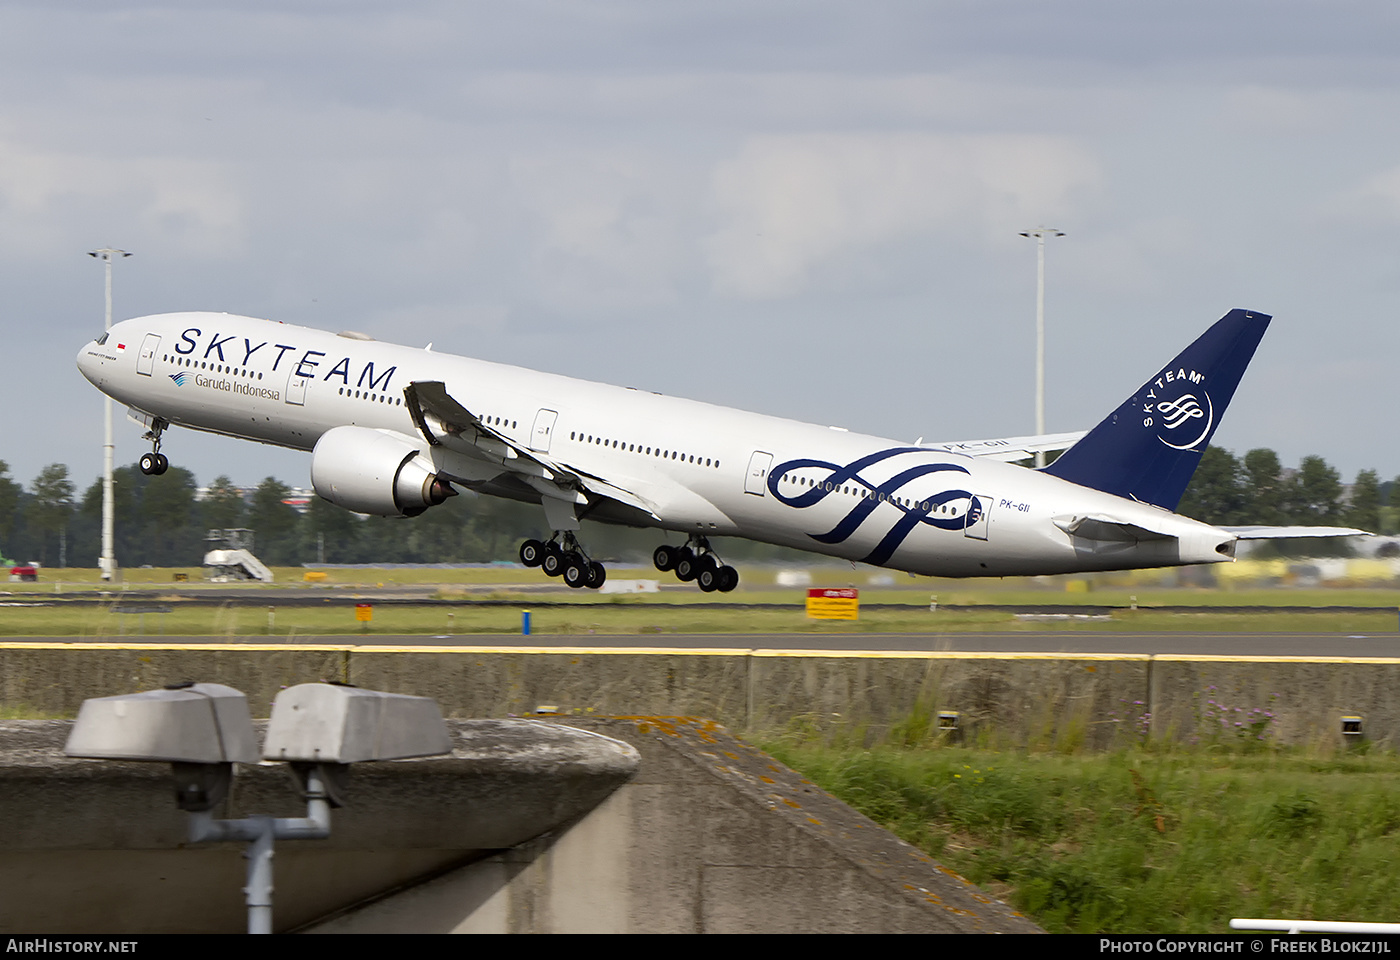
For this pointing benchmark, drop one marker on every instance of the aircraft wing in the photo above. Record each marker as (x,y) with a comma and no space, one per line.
(1284,533)
(1008,449)
(444,422)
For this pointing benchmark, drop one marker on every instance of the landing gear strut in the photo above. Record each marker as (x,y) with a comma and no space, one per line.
(696,561)
(155,463)
(562,556)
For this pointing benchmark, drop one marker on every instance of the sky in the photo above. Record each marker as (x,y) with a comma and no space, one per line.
(810,209)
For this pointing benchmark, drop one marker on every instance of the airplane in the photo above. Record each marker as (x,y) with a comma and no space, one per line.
(395,430)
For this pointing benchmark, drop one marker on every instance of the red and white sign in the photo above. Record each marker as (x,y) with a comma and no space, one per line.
(828,603)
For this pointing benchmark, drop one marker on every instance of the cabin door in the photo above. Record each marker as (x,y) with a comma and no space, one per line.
(296,387)
(543,429)
(146,362)
(756,481)
(976,525)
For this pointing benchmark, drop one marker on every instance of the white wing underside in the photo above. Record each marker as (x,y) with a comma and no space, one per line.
(1008,449)
(446,423)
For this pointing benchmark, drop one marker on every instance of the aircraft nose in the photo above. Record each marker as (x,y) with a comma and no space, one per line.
(89,363)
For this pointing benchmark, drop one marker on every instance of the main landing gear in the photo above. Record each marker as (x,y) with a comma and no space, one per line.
(155,463)
(696,561)
(561,556)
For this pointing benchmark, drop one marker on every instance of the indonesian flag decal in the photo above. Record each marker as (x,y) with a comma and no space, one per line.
(121,347)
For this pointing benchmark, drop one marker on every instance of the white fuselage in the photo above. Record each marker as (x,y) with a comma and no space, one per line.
(700,468)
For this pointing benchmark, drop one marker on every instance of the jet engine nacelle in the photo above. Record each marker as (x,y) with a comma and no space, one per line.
(375,471)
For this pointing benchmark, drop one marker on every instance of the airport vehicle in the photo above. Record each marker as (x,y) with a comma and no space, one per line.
(393,430)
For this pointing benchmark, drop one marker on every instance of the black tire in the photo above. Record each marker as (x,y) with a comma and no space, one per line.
(148,464)
(687,569)
(708,579)
(553,562)
(597,574)
(664,557)
(575,571)
(532,553)
(728,579)
(162,463)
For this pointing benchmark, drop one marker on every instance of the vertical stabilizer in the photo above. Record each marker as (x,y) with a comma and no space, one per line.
(1149,447)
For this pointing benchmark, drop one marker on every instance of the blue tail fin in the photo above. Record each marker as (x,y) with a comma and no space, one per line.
(1148,448)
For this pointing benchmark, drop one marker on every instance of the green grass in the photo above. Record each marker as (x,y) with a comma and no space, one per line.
(624,616)
(1177,841)
(758,585)
(674,611)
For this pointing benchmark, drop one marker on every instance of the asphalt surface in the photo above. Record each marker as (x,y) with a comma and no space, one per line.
(1064,642)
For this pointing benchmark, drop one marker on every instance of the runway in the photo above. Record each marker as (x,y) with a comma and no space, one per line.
(1308,645)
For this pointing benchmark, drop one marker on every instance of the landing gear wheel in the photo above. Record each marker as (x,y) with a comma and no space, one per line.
(665,557)
(553,562)
(687,569)
(596,575)
(575,571)
(154,464)
(728,579)
(532,553)
(708,579)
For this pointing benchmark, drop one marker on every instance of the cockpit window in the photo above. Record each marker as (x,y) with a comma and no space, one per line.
(103,339)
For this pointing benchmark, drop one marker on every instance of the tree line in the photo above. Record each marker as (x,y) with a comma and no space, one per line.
(160,521)
(1255,489)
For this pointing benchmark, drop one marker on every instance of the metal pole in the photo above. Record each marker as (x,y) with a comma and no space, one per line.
(259,832)
(108,561)
(1040,233)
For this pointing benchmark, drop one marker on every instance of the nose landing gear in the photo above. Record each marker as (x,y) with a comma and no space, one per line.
(155,463)
(696,561)
(562,556)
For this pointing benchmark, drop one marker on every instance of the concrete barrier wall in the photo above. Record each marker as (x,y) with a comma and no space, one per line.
(711,836)
(1045,699)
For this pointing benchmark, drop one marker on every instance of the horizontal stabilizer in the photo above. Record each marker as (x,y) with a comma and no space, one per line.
(1286,533)
(1008,449)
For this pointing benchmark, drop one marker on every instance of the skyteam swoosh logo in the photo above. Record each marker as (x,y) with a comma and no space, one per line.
(916,513)
(1185,412)
(179,378)
(1190,415)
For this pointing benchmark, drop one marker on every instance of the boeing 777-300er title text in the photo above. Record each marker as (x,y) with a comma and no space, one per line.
(393,430)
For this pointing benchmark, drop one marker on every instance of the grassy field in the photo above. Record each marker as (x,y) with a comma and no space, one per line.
(757,584)
(674,611)
(625,617)
(1145,841)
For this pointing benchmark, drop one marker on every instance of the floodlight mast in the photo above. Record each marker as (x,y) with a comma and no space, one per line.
(1040,233)
(107,563)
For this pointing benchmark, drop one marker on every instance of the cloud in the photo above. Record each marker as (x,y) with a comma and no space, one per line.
(182,203)
(789,203)
(606,224)
(1375,198)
